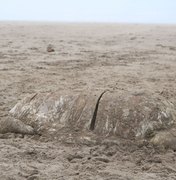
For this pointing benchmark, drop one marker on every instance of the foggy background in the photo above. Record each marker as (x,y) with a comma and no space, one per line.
(122,11)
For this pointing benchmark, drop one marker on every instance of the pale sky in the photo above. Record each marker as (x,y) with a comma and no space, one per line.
(132,11)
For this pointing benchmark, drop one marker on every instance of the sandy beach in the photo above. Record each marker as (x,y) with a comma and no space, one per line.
(127,57)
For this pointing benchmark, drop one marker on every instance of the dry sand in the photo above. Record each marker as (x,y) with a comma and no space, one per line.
(86,56)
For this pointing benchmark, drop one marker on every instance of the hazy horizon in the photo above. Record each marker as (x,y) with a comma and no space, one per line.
(90,11)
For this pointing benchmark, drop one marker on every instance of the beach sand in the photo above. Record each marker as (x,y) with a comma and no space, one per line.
(86,57)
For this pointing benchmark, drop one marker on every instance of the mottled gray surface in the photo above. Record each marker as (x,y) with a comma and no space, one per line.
(121,114)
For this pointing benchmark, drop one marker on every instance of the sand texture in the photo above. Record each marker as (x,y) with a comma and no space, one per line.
(68,59)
